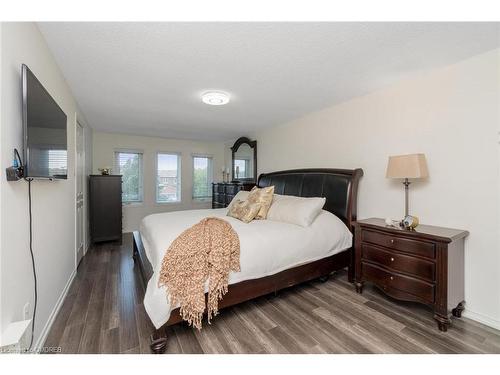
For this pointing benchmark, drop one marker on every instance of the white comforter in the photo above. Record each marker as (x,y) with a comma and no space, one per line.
(266,247)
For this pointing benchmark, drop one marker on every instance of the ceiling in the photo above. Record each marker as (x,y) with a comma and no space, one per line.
(147,78)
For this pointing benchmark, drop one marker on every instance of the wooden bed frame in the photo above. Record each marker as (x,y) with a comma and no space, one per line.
(338,186)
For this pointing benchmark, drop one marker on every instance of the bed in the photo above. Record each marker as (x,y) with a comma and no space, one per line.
(299,254)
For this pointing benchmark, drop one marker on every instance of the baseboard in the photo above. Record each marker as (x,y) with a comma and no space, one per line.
(493,323)
(43,335)
(88,242)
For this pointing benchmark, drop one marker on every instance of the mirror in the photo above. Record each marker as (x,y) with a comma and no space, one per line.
(244,160)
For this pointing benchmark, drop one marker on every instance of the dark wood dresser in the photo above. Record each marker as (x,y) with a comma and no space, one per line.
(105,193)
(425,265)
(224,192)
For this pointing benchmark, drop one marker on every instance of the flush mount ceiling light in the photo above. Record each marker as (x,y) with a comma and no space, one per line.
(215,98)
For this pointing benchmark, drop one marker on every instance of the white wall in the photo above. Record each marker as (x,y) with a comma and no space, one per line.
(2,163)
(53,202)
(104,145)
(451,115)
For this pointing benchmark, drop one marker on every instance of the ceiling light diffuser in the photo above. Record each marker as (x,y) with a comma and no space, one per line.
(215,98)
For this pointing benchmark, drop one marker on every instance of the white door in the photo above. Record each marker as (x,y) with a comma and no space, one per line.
(80,167)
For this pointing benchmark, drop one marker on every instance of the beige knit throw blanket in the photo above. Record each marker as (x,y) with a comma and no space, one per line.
(207,250)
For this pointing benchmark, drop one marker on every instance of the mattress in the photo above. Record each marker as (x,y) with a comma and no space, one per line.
(266,248)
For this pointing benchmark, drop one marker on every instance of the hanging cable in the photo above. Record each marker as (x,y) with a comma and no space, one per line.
(32,263)
(18,157)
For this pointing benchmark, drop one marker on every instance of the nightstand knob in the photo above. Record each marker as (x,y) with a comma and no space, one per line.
(392,278)
(392,259)
(392,241)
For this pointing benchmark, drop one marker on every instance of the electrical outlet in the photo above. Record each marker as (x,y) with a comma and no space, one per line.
(26,311)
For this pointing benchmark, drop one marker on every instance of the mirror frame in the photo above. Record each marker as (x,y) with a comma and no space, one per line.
(253,144)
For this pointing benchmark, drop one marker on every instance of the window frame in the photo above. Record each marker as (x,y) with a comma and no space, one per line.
(179,177)
(140,200)
(207,198)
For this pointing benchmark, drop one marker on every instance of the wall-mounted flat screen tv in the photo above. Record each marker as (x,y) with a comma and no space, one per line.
(45,131)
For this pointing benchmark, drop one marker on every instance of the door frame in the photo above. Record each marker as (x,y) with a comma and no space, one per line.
(78,123)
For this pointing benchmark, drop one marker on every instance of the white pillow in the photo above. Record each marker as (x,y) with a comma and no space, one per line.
(295,210)
(242,195)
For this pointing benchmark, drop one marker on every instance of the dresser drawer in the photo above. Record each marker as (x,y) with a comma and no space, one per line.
(425,249)
(232,189)
(229,198)
(387,279)
(219,198)
(399,262)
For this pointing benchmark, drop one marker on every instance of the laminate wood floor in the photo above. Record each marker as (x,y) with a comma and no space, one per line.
(103,313)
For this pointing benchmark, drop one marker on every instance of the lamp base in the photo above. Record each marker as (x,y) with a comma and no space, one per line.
(406,183)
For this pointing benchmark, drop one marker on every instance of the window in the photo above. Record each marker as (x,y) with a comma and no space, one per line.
(168,180)
(129,165)
(202,177)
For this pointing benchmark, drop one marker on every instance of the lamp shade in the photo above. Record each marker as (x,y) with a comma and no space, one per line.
(407,166)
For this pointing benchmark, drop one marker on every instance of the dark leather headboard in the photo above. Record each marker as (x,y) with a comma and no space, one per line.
(338,186)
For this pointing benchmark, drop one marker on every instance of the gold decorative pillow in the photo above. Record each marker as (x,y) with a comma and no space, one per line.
(243,210)
(264,197)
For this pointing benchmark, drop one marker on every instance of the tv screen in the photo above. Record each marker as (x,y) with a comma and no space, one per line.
(45,133)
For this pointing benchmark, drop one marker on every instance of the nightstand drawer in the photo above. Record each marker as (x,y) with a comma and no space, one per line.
(425,249)
(387,279)
(399,262)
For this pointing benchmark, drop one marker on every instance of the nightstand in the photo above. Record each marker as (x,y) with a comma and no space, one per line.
(424,265)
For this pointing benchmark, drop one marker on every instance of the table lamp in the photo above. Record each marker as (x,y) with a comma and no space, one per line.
(405,167)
